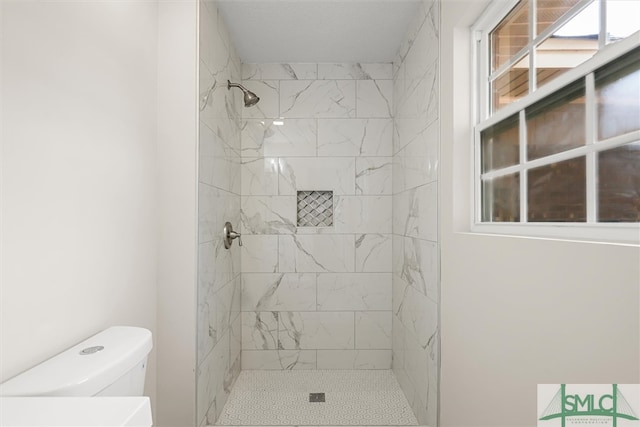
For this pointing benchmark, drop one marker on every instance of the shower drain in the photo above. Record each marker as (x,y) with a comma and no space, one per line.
(316,397)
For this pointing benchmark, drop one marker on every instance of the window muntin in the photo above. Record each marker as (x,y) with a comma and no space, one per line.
(521,169)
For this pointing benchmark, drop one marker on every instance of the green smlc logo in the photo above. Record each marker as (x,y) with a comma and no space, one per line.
(564,406)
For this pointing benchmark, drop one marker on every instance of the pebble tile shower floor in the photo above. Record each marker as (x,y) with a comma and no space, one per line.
(352,398)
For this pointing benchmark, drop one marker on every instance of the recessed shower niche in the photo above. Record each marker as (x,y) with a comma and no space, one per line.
(315,208)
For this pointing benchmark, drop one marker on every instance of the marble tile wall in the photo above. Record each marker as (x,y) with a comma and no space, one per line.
(317,298)
(415,260)
(219,322)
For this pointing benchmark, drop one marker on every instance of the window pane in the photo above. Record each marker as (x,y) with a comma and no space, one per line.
(511,85)
(510,36)
(623,19)
(501,199)
(586,24)
(570,46)
(548,12)
(618,94)
(556,192)
(557,123)
(619,184)
(499,145)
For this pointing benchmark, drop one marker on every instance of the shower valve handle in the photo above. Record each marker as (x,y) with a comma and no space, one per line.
(235,235)
(229,235)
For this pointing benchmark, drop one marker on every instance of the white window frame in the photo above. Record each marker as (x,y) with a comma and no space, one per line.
(603,232)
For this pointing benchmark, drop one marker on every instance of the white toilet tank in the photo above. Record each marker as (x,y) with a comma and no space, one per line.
(110,363)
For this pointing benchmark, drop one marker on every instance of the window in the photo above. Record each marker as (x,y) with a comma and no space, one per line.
(557,136)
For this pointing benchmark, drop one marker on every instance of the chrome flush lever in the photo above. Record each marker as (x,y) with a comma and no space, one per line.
(228,235)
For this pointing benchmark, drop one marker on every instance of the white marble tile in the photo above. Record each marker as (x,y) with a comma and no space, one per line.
(235,344)
(354,359)
(317,98)
(260,176)
(316,253)
(205,389)
(355,137)
(422,54)
(259,331)
(355,71)
(417,163)
(268,92)
(216,265)
(221,314)
(373,252)
(415,212)
(362,214)
(419,314)
(399,88)
(316,330)
(215,207)
(418,377)
(318,173)
(278,291)
(208,212)
(398,345)
(290,71)
(421,103)
(373,175)
(354,291)
(268,214)
(416,262)
(205,334)
(222,112)
(278,359)
(373,330)
(213,389)
(218,162)
(418,367)
(259,254)
(374,98)
(279,137)
(412,32)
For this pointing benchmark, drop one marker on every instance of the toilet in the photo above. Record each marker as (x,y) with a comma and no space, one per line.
(110,363)
(107,370)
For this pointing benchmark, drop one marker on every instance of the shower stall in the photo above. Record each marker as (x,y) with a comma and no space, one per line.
(323,308)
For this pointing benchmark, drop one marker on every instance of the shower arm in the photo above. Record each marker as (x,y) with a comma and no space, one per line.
(238,85)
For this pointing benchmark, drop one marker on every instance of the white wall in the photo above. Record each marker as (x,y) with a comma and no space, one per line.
(516,312)
(99,176)
(78,175)
(177,211)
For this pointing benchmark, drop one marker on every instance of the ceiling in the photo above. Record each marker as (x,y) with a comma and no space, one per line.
(266,31)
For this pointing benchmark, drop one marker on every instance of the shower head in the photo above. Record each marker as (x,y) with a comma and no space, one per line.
(250,98)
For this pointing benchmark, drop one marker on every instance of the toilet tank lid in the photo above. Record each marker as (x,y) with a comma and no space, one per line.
(86,368)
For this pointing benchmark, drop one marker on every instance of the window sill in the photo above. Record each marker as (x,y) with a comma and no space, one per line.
(619,233)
